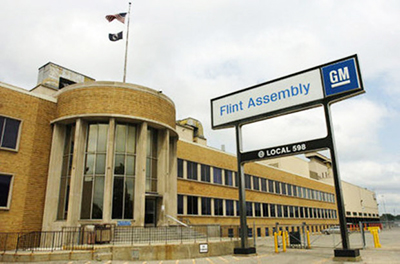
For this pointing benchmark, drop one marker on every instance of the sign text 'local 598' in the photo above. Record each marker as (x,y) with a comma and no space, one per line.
(288,94)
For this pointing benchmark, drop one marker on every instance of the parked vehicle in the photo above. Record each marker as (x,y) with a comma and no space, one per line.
(331,230)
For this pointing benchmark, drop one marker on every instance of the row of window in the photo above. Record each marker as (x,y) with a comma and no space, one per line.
(215,175)
(361,214)
(206,206)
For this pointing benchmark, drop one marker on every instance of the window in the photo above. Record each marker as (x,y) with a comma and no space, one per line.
(64,82)
(180,204)
(285,211)
(247,181)
(205,173)
(249,208)
(205,206)
(291,212)
(299,192)
(237,208)
(229,210)
(265,210)
(217,175)
(218,207)
(277,187)
(263,185)
(180,168)
(283,188)
(9,131)
(63,199)
(257,209)
(124,172)
(5,190)
(192,205)
(294,191)
(191,170)
(94,174)
(289,189)
(151,160)
(296,211)
(270,186)
(278,210)
(272,210)
(256,183)
(228,178)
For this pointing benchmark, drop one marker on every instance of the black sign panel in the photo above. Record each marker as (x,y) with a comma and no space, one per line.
(286,150)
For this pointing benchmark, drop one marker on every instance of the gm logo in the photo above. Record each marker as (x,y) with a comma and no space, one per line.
(340,77)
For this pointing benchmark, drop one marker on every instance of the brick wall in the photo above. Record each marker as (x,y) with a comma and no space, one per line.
(29,165)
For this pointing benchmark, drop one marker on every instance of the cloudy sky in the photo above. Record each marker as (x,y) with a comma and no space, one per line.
(201,49)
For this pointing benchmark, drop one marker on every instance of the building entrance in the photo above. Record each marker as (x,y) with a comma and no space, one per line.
(150,212)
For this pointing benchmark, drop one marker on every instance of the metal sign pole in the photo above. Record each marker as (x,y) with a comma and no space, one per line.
(337,181)
(242,197)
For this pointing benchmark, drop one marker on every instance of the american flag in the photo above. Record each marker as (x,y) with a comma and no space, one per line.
(120,17)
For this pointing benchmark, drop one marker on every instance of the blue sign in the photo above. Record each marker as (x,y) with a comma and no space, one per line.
(340,77)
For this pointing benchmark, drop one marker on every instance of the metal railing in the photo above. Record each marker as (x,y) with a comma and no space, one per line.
(79,238)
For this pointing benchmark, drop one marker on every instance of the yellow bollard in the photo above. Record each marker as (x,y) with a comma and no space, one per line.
(376,239)
(287,238)
(284,241)
(308,240)
(276,242)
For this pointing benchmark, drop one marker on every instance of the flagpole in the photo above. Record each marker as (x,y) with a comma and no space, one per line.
(127,37)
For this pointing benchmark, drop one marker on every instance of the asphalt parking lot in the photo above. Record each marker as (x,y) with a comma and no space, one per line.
(321,252)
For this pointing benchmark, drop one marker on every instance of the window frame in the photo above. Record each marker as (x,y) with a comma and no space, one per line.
(18,136)
(10,189)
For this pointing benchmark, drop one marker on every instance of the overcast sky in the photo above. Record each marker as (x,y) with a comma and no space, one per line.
(201,49)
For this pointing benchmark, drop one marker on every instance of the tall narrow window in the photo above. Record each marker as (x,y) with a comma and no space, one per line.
(205,173)
(205,206)
(263,185)
(180,168)
(218,207)
(5,190)
(124,171)
(256,183)
(217,175)
(94,174)
(68,155)
(191,170)
(9,131)
(247,181)
(192,205)
(229,210)
(151,161)
(180,204)
(228,178)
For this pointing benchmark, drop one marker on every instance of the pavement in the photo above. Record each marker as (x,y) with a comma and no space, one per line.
(321,252)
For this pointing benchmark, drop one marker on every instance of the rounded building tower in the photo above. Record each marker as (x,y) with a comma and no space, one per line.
(113,157)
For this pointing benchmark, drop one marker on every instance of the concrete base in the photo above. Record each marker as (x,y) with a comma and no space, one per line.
(244,251)
(347,255)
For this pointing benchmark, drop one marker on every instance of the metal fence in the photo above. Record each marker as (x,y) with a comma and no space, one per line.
(83,238)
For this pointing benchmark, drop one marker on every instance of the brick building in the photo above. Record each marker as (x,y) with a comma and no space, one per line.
(75,151)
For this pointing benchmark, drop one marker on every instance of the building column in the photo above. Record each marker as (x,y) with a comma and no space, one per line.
(108,183)
(54,178)
(171,200)
(75,193)
(162,175)
(140,177)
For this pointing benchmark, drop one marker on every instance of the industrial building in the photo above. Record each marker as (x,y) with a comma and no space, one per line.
(75,151)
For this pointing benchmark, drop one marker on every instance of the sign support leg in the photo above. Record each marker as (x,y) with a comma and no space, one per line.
(244,249)
(346,252)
